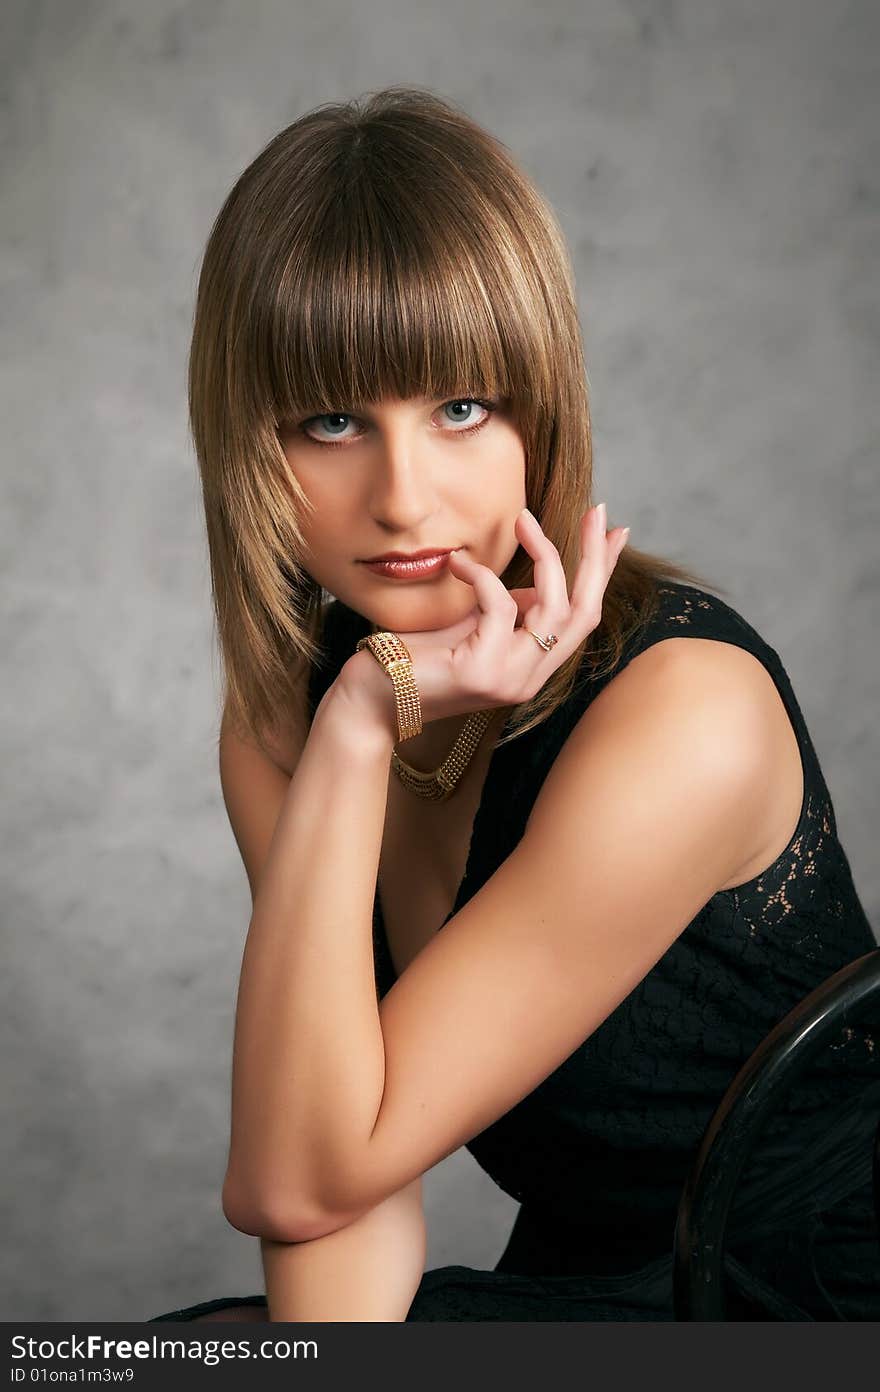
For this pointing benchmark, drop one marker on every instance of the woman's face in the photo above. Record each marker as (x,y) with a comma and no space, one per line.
(407,476)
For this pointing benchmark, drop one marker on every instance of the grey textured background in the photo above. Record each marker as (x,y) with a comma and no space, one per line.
(713,163)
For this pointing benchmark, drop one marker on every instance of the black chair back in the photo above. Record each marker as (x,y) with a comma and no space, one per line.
(730,1137)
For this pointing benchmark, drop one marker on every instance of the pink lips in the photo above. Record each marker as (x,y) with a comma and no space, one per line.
(409,570)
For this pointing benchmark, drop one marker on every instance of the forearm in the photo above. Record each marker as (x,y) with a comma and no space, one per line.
(369,1270)
(308,1056)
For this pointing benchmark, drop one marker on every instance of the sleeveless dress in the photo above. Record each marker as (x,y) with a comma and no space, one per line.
(598,1153)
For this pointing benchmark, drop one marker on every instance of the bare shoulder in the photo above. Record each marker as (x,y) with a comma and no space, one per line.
(254,779)
(289,735)
(725,699)
(696,672)
(706,664)
(282,743)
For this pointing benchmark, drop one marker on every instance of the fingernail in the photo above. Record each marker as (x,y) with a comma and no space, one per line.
(525,513)
(625,536)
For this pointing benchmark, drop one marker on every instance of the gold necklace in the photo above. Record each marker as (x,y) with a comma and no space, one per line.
(438,785)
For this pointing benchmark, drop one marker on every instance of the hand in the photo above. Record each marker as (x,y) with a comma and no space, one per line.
(488,659)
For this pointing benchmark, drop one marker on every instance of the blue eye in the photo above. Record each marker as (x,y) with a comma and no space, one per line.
(338,421)
(468,402)
(335,416)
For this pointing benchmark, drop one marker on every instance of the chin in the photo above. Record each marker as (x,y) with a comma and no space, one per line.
(423,616)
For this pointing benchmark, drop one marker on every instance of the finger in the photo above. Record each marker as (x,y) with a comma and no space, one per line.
(551,584)
(526,598)
(600,550)
(497,612)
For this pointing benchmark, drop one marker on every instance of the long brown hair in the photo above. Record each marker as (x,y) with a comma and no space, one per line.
(383,247)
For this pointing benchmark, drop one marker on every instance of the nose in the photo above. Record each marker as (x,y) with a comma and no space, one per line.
(401,493)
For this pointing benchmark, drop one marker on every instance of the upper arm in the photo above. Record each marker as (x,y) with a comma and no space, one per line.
(646,812)
(255,785)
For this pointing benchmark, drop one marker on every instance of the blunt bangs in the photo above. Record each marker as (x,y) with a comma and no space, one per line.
(399,285)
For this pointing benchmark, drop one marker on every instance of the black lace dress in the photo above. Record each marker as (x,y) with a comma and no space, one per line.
(597,1154)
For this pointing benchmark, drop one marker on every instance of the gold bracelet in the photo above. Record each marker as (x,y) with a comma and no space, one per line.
(394,657)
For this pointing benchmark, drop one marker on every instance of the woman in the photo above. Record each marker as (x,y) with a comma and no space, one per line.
(624,835)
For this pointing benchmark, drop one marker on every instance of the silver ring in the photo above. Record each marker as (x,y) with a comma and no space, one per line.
(546,643)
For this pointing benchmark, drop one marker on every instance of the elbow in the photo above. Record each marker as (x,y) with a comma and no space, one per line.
(275,1221)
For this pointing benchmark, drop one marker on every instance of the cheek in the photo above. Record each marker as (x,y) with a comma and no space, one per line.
(323,519)
(509,474)
(499,541)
